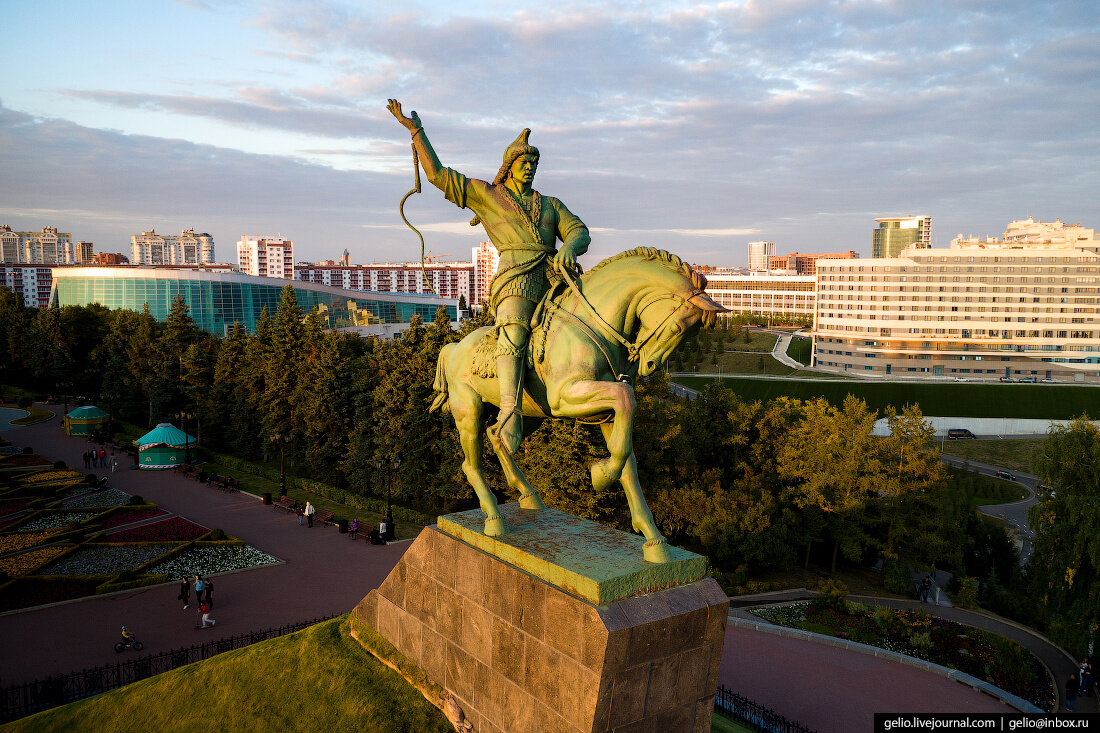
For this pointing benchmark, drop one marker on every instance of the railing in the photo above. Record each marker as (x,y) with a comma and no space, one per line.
(753,714)
(19,700)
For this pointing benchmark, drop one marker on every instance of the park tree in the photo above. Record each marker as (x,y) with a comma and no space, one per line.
(1064,567)
(833,462)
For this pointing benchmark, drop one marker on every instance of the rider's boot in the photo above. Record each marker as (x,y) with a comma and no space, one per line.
(510,421)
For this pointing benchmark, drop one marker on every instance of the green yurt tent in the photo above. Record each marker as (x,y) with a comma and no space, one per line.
(86,420)
(163,447)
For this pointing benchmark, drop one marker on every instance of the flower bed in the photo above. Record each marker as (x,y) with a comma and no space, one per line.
(41,477)
(212,559)
(77,490)
(22,540)
(129,516)
(173,529)
(23,460)
(981,654)
(105,560)
(27,562)
(110,497)
(48,520)
(10,507)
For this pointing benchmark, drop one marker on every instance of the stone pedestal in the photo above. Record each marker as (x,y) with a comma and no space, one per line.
(543,641)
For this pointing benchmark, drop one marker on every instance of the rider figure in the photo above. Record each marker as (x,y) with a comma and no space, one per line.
(524,226)
(127,635)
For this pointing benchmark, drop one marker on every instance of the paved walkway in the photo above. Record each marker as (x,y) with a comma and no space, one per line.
(324,573)
(1054,657)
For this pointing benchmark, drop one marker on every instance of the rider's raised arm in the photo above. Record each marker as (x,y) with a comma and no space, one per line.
(428,159)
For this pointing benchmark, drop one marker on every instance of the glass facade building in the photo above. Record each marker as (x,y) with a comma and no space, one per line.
(219,299)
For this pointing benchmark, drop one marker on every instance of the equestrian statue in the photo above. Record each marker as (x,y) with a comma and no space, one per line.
(562,344)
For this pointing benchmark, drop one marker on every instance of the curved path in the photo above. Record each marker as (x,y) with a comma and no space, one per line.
(1057,660)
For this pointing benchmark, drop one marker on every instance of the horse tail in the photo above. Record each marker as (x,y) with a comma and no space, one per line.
(440,385)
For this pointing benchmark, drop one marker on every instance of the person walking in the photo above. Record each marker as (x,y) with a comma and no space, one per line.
(87,461)
(309,510)
(1071,691)
(208,586)
(185,592)
(103,457)
(300,512)
(198,589)
(114,463)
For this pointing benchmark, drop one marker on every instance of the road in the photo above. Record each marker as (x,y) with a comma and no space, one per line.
(1014,514)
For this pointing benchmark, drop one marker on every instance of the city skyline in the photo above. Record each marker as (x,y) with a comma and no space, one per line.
(693,127)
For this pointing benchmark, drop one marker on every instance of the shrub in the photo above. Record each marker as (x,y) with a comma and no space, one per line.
(896,579)
(25,401)
(967,595)
(91,479)
(216,535)
(28,450)
(921,641)
(59,464)
(135,500)
(832,596)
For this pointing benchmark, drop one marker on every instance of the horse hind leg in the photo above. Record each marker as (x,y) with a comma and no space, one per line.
(467,411)
(655,549)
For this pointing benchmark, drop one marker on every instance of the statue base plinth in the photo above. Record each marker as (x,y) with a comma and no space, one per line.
(522,653)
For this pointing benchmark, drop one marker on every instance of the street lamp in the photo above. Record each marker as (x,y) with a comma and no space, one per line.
(282,440)
(184,417)
(378,463)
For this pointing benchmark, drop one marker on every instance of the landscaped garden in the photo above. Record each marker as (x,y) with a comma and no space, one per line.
(62,538)
(986,656)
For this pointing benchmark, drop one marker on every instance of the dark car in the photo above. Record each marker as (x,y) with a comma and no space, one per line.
(960,434)
(1006,475)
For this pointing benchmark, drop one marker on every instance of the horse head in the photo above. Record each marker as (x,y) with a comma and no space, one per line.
(667,302)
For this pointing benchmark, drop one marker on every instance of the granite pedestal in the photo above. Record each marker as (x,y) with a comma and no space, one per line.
(559,637)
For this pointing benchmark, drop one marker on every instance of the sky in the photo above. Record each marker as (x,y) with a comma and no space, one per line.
(696,127)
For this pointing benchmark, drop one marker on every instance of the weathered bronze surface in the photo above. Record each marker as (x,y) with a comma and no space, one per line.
(592,334)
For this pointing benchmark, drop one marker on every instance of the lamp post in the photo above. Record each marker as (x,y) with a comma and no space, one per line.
(378,463)
(281,440)
(184,417)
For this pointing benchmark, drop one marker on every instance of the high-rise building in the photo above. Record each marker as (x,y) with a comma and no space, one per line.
(33,282)
(759,252)
(900,232)
(486,260)
(786,297)
(448,280)
(189,248)
(266,256)
(84,252)
(47,247)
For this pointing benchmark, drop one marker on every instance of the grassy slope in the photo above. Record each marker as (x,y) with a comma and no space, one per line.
(318,679)
(721,724)
(1043,401)
(1015,455)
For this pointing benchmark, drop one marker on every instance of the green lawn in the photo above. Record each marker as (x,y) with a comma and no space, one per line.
(1015,455)
(1042,401)
(316,679)
(721,724)
(800,349)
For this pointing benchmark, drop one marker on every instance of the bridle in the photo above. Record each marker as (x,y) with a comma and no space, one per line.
(633,349)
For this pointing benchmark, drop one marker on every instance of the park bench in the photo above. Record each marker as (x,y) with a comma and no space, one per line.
(285,502)
(185,468)
(324,516)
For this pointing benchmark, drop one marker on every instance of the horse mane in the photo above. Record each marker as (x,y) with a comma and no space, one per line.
(671,261)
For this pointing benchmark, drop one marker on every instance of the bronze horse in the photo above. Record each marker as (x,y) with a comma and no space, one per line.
(623,319)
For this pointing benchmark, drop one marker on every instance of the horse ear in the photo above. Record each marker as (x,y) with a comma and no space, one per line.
(704,302)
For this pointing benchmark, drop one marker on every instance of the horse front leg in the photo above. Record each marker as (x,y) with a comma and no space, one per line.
(466,407)
(655,548)
(528,496)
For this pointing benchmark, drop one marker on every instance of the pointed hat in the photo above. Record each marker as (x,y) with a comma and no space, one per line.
(519,147)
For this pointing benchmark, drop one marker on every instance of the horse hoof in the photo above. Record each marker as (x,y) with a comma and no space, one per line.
(531,501)
(656,551)
(494,527)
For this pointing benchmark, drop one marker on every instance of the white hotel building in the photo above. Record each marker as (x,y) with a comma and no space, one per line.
(1022,306)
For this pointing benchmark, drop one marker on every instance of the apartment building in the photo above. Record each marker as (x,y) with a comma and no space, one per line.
(33,282)
(266,256)
(804,263)
(189,248)
(782,297)
(448,280)
(45,247)
(1021,306)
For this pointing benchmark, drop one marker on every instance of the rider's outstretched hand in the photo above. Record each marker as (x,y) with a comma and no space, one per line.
(412,124)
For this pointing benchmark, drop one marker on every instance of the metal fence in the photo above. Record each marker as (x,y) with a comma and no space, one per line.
(17,701)
(753,714)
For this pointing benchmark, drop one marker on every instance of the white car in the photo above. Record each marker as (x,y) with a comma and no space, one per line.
(961,379)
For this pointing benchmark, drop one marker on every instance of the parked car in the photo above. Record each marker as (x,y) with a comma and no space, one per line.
(961,379)
(960,434)
(1048,380)
(1031,380)
(1007,379)
(1006,475)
